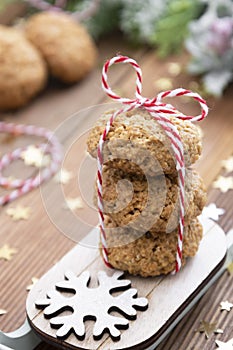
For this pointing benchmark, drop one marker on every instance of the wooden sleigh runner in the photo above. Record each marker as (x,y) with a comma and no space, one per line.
(169,297)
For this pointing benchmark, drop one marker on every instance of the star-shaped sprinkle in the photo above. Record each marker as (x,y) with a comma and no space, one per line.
(2,312)
(230,268)
(34,281)
(35,156)
(164,84)
(226,305)
(174,68)
(224,346)
(224,184)
(228,164)
(6,252)
(73,203)
(208,328)
(63,176)
(19,213)
(9,181)
(212,212)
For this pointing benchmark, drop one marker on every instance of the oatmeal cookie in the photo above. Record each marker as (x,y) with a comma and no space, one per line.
(150,203)
(135,138)
(150,255)
(22,69)
(65,45)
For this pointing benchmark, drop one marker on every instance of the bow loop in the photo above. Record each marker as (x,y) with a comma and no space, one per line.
(155,102)
(108,90)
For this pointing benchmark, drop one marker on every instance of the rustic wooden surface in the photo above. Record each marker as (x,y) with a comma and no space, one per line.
(38,240)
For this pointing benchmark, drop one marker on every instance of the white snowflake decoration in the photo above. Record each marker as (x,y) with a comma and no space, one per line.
(212,212)
(94,303)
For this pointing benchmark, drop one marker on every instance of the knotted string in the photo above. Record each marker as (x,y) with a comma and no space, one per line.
(161,112)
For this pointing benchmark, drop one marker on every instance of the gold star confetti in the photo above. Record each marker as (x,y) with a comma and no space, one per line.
(6,252)
(73,203)
(228,164)
(35,156)
(174,68)
(225,305)
(2,312)
(9,179)
(34,281)
(208,328)
(19,213)
(212,212)
(224,346)
(163,84)
(230,268)
(63,176)
(224,184)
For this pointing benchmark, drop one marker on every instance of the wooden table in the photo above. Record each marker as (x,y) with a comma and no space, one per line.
(38,240)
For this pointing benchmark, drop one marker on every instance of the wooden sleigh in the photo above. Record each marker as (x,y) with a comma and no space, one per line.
(169,297)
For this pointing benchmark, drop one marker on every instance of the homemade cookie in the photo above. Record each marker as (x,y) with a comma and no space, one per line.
(136,138)
(22,70)
(65,45)
(150,255)
(150,203)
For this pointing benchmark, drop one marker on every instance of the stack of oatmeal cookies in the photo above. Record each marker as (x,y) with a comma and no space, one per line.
(141,192)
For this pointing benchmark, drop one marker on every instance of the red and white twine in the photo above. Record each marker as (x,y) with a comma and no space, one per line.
(161,112)
(52,147)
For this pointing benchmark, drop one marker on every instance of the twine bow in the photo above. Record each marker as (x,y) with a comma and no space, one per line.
(161,112)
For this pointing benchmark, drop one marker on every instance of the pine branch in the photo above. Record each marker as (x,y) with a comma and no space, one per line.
(172,28)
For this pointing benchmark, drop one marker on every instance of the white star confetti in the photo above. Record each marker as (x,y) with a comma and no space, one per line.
(6,252)
(34,281)
(224,184)
(224,346)
(73,203)
(212,212)
(228,164)
(19,213)
(63,176)
(2,312)
(35,156)
(226,305)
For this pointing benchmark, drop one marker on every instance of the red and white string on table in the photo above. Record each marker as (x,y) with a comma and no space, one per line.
(52,147)
(161,112)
